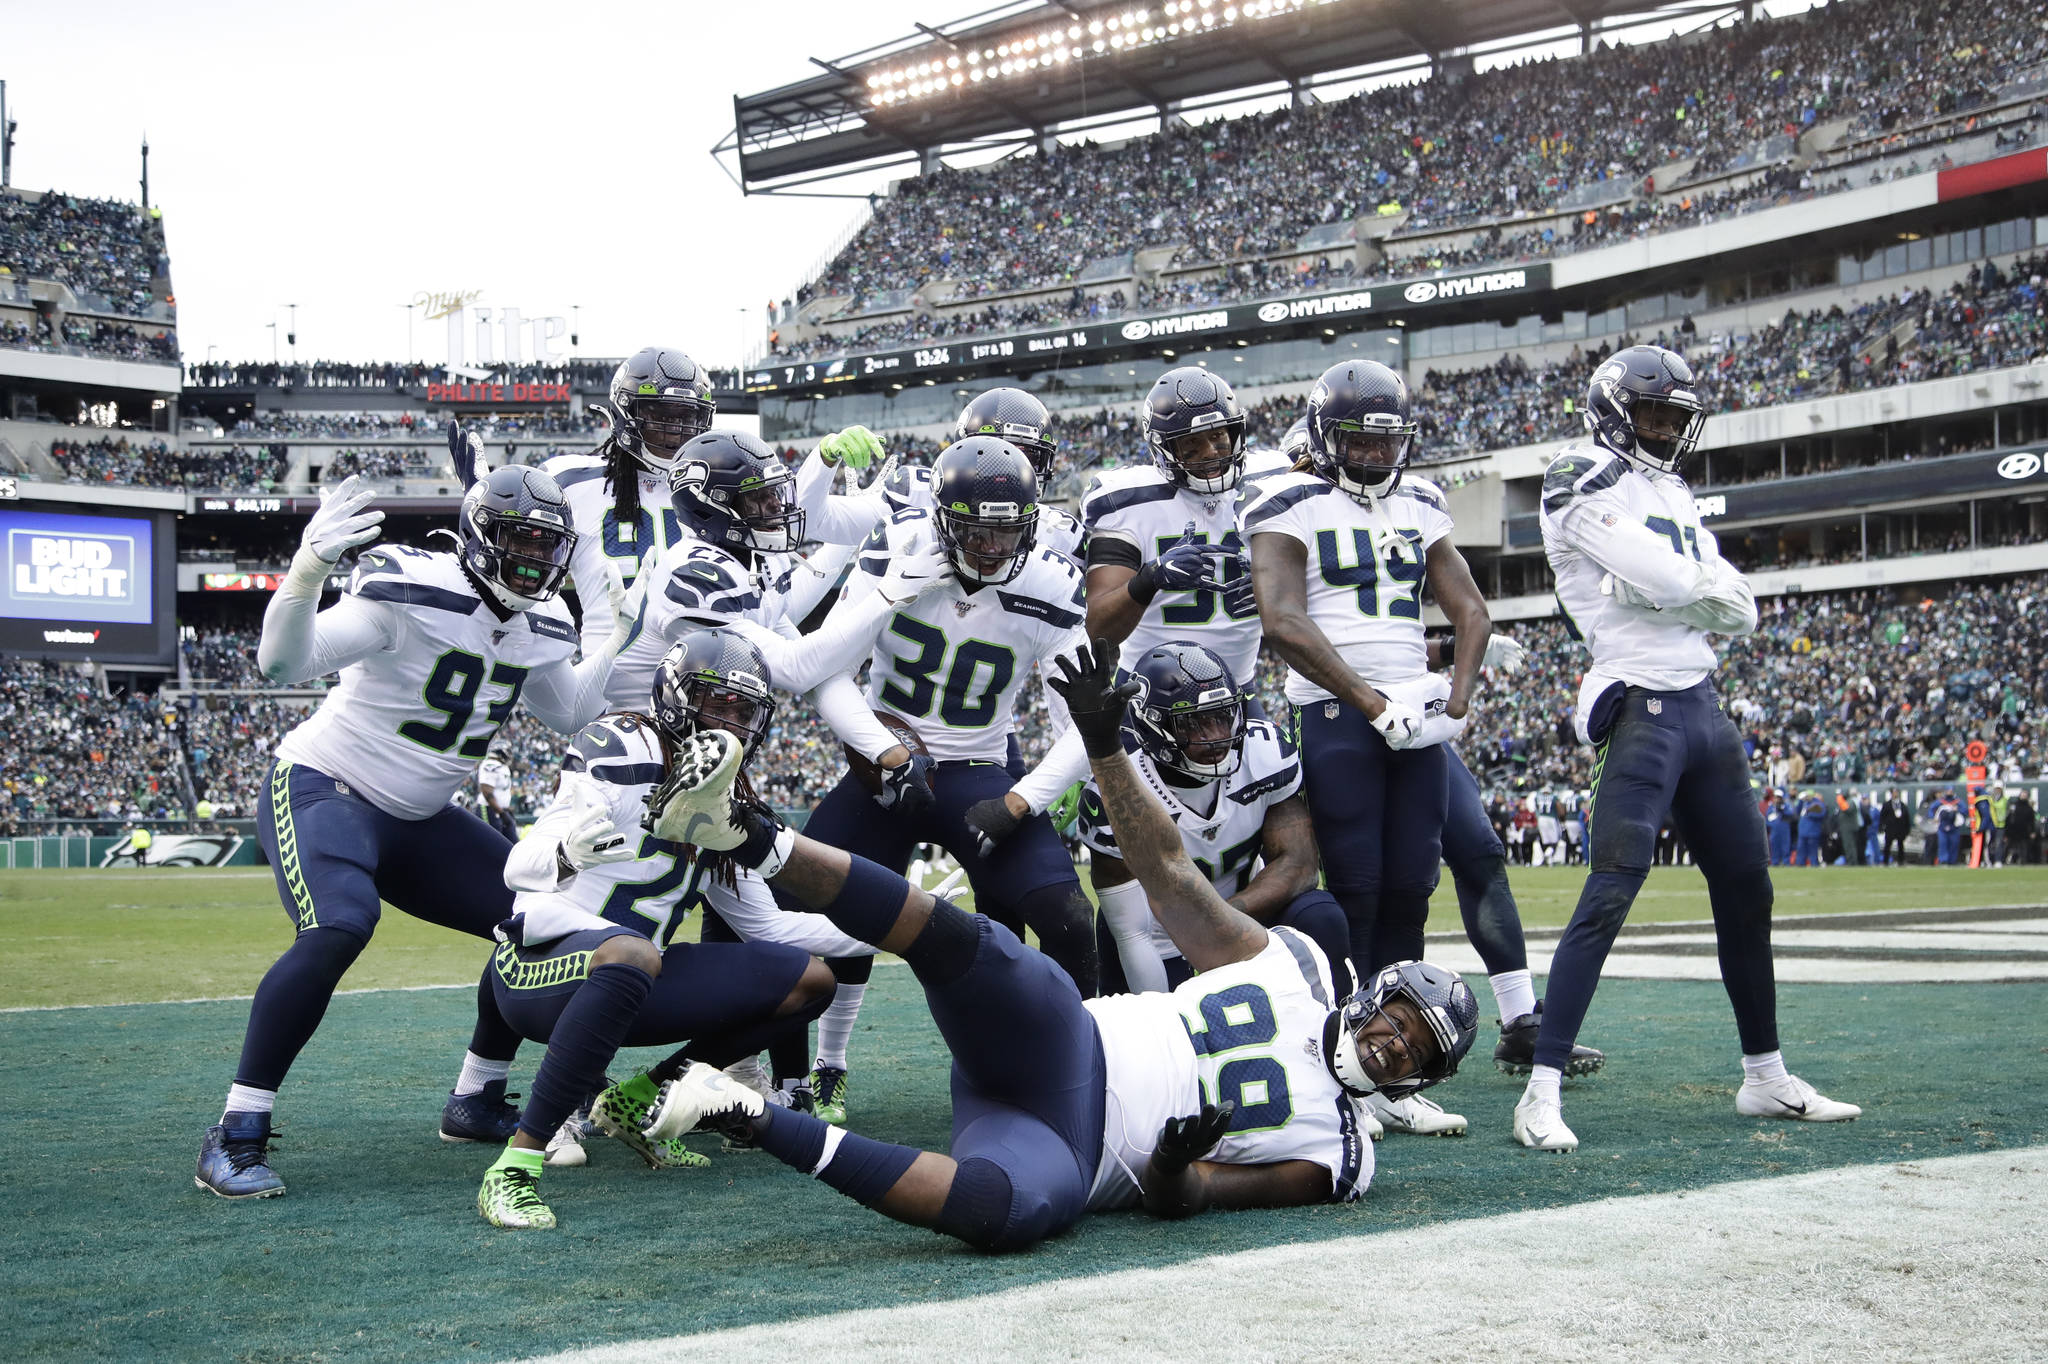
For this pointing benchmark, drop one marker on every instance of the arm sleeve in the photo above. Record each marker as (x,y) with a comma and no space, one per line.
(828,517)
(1634,553)
(1727,608)
(593,590)
(835,648)
(750,908)
(569,696)
(841,706)
(812,579)
(1129,916)
(300,641)
(1066,762)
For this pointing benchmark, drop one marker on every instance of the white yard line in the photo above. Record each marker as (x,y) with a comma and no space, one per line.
(1937,1260)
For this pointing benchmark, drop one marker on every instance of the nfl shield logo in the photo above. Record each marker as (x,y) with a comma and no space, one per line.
(1329,710)
(1656,706)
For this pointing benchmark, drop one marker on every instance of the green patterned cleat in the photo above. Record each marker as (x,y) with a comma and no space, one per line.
(619,1113)
(510,1196)
(829,1089)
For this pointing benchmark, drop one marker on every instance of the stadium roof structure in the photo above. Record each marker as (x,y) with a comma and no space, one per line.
(1026,71)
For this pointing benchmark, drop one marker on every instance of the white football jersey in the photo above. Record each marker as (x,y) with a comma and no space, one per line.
(408,725)
(1588,490)
(602,541)
(1250,1032)
(494,774)
(702,585)
(1366,567)
(613,763)
(1220,823)
(951,662)
(1138,510)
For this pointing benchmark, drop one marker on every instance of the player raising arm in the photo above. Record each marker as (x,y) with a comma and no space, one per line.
(1234,1091)
(1644,585)
(435,650)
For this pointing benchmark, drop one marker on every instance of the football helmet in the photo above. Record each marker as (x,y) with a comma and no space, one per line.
(1017,417)
(1361,428)
(736,493)
(1189,715)
(515,536)
(1295,443)
(714,679)
(1450,1021)
(660,399)
(985,505)
(1195,429)
(1643,405)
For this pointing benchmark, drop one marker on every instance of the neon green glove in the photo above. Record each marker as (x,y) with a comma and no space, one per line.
(856,447)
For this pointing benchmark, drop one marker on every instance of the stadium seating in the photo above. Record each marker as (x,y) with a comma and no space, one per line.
(110,254)
(1720,111)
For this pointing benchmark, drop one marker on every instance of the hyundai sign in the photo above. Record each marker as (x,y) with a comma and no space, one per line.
(1200,327)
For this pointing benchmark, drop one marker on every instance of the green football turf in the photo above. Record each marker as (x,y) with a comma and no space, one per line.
(377,1252)
(103,937)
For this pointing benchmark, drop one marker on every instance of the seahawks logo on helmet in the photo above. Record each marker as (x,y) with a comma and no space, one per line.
(660,399)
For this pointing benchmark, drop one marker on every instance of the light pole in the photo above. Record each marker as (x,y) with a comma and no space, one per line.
(575,327)
(291,336)
(408,332)
(273,341)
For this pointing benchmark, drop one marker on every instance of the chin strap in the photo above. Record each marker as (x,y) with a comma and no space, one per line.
(1341,1056)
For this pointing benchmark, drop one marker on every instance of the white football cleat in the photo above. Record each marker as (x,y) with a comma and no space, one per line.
(1416,1116)
(1539,1124)
(699,1095)
(1788,1096)
(565,1148)
(693,804)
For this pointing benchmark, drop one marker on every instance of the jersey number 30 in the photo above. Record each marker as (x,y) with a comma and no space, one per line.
(452,689)
(980,670)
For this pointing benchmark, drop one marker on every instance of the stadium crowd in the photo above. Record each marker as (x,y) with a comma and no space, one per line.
(122,461)
(112,251)
(114,340)
(380,374)
(78,753)
(1510,142)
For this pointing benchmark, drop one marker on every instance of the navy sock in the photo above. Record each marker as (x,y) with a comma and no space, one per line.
(869,903)
(863,1169)
(795,1139)
(291,1001)
(585,1039)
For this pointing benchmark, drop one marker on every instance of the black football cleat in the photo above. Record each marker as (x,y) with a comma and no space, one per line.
(483,1116)
(1515,1053)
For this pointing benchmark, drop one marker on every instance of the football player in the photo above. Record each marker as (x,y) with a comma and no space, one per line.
(1236,1090)
(1164,556)
(435,650)
(1348,622)
(494,793)
(733,568)
(950,668)
(589,961)
(1010,414)
(1644,585)
(1232,786)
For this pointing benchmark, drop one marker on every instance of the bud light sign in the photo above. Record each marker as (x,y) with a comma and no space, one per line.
(77,568)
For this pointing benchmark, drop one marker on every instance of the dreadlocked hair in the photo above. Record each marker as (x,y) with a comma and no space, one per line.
(622,480)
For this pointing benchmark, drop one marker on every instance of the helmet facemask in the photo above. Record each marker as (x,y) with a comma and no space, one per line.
(1365,457)
(988,544)
(660,427)
(1202,740)
(769,511)
(1387,1039)
(1207,459)
(523,559)
(1666,429)
(736,701)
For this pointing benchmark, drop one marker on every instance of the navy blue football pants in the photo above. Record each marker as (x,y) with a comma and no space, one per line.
(1676,754)
(336,857)
(1379,820)
(1479,871)
(1315,913)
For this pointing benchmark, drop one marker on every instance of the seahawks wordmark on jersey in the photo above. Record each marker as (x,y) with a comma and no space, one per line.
(1221,823)
(1132,515)
(1250,1033)
(409,723)
(601,540)
(1588,493)
(1366,567)
(951,662)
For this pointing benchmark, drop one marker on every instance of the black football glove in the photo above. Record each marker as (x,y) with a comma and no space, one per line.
(1238,598)
(991,822)
(907,786)
(1182,567)
(1183,1141)
(1087,682)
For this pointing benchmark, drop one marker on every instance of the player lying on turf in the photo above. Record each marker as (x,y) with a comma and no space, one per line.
(588,963)
(1237,1090)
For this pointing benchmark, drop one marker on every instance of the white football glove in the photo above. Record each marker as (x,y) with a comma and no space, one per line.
(914,572)
(343,522)
(1626,593)
(592,841)
(628,604)
(1399,725)
(1504,653)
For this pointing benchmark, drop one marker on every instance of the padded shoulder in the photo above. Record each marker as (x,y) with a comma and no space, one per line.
(1579,470)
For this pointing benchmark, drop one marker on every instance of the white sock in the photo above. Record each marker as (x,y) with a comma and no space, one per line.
(1769,1065)
(477,1072)
(835,1025)
(242,1099)
(1514,994)
(833,1136)
(1544,1082)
